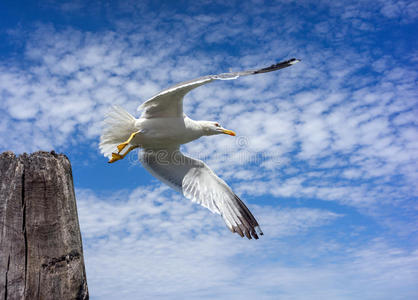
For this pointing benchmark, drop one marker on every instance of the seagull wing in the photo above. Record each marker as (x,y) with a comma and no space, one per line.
(169,103)
(197,182)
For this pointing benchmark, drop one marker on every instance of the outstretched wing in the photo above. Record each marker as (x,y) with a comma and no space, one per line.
(169,102)
(197,182)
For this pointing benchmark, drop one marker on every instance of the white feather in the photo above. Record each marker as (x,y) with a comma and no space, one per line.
(164,127)
(118,126)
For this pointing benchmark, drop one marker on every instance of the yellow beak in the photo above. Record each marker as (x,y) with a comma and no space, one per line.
(230,132)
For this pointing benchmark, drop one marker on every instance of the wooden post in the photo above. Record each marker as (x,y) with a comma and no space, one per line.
(41,255)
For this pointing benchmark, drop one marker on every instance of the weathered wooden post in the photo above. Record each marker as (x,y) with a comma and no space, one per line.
(41,255)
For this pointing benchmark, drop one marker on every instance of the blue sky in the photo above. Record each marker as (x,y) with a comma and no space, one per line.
(326,154)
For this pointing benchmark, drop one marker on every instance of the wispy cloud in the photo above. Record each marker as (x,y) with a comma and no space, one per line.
(331,139)
(153,238)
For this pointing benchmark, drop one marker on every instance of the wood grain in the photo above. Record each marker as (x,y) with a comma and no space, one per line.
(41,255)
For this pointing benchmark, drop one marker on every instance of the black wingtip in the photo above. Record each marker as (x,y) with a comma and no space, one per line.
(247,223)
(243,231)
(292,61)
(278,66)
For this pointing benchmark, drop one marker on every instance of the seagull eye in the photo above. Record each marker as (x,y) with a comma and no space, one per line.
(217,125)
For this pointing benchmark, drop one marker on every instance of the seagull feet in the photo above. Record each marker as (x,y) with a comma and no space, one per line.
(115,157)
(122,146)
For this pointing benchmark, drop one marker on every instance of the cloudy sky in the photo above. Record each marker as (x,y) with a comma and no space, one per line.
(326,153)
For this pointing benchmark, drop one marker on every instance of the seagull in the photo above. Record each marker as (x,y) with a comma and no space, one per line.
(159,132)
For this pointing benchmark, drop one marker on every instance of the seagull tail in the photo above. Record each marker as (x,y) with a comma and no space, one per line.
(118,126)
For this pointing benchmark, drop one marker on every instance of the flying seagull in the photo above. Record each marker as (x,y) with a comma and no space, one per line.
(161,129)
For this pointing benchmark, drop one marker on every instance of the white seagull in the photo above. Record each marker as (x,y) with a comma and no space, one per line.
(161,129)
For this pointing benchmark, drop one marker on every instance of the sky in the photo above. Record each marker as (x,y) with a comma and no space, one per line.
(326,153)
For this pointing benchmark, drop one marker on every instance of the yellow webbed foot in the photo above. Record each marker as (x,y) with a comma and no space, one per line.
(122,146)
(115,157)
(126,143)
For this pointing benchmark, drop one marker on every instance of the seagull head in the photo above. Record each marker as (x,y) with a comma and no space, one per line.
(212,128)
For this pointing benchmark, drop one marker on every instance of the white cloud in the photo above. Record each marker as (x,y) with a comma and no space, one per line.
(336,130)
(171,248)
(310,114)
